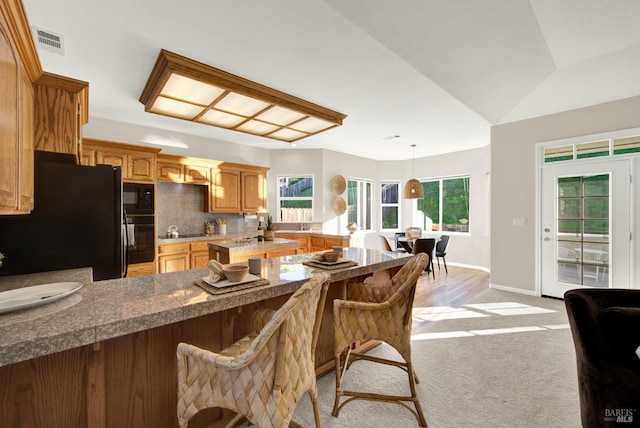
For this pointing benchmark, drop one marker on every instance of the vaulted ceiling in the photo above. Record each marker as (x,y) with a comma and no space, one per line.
(435,73)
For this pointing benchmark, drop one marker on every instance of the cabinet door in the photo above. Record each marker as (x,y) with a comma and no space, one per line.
(170,171)
(9,132)
(141,166)
(224,191)
(88,157)
(112,158)
(316,243)
(140,269)
(173,263)
(254,191)
(26,152)
(56,113)
(196,174)
(199,259)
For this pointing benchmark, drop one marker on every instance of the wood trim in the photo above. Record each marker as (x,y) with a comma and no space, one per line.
(19,28)
(169,62)
(118,146)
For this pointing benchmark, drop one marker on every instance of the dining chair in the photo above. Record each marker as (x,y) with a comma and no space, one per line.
(441,251)
(378,312)
(263,375)
(396,237)
(427,246)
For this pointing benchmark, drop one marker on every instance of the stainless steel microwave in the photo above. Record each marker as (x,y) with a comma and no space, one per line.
(137,198)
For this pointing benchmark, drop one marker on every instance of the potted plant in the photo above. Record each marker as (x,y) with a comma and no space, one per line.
(268,230)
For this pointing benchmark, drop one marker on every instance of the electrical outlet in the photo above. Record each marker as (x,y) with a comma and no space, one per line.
(519,221)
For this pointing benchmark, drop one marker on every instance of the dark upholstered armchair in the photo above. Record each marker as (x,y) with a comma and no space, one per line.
(605,324)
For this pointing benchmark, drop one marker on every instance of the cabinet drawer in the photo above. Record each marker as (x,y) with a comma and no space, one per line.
(199,246)
(173,248)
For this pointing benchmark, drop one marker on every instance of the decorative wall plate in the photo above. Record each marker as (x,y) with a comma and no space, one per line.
(338,185)
(339,206)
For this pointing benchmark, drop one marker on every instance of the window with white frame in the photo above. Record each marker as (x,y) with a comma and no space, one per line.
(359,202)
(445,206)
(389,205)
(295,198)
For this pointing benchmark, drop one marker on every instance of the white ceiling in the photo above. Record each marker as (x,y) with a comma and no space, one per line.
(437,73)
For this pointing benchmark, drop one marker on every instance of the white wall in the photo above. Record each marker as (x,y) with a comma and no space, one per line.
(468,250)
(513,184)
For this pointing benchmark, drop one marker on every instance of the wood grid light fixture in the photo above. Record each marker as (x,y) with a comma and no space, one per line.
(186,89)
(413,189)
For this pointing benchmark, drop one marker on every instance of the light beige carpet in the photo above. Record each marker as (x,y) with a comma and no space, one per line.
(487,375)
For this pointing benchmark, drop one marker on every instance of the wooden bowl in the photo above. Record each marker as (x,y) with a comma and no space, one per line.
(331,256)
(235,273)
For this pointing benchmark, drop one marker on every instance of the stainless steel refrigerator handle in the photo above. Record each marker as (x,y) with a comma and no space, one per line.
(126,243)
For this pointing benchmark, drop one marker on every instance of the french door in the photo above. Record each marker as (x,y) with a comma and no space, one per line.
(585,226)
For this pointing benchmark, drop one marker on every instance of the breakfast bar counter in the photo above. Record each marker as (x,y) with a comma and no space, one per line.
(105,356)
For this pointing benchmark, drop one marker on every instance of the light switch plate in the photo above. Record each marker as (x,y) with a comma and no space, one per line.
(519,221)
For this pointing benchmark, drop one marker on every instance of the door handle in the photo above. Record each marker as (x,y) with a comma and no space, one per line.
(546,238)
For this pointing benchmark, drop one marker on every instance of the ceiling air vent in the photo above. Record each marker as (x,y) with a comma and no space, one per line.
(49,41)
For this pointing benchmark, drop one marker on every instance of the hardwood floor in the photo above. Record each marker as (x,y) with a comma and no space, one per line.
(456,288)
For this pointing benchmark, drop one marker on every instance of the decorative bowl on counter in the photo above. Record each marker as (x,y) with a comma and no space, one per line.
(331,256)
(235,273)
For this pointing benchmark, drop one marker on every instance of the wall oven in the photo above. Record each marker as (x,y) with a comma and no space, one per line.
(138,226)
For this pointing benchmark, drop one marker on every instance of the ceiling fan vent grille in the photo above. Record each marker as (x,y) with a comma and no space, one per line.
(49,41)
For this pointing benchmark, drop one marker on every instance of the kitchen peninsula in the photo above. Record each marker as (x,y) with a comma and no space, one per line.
(105,356)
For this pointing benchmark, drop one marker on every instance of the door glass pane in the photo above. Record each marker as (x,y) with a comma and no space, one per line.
(583,230)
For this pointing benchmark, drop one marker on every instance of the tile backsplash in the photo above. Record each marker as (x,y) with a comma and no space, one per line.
(183,205)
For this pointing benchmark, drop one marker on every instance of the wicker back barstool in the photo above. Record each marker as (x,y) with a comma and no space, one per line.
(263,375)
(378,312)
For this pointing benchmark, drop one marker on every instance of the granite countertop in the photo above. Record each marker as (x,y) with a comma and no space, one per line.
(107,309)
(201,237)
(232,246)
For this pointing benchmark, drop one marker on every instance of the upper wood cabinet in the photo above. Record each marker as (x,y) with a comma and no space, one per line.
(19,68)
(179,169)
(138,163)
(224,190)
(254,191)
(61,108)
(237,188)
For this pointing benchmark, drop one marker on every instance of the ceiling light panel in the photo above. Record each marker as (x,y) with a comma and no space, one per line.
(182,88)
(192,91)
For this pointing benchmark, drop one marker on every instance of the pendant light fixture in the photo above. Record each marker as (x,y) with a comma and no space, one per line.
(413,189)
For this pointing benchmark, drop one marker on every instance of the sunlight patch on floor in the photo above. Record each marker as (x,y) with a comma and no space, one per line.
(439,313)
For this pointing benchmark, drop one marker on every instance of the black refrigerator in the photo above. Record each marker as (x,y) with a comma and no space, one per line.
(76,221)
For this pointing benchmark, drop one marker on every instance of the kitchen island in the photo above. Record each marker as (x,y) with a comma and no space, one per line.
(236,251)
(106,358)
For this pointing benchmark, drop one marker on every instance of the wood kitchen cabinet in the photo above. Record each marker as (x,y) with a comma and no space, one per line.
(140,269)
(237,188)
(199,256)
(19,68)
(318,242)
(254,191)
(138,163)
(179,169)
(173,257)
(224,191)
(61,109)
(303,238)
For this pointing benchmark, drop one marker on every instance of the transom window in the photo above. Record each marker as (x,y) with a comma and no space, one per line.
(593,149)
(445,206)
(295,198)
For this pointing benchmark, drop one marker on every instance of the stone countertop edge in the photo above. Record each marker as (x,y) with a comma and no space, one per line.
(108,309)
(240,247)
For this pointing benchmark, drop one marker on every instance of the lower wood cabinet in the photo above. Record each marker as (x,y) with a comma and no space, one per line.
(173,257)
(199,255)
(140,269)
(313,242)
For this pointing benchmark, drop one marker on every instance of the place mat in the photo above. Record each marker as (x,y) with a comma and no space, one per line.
(215,290)
(315,264)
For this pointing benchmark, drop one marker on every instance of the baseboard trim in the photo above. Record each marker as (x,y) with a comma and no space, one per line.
(514,290)
(462,265)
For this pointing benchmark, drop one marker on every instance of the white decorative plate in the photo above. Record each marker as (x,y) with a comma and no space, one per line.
(226,283)
(27,297)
